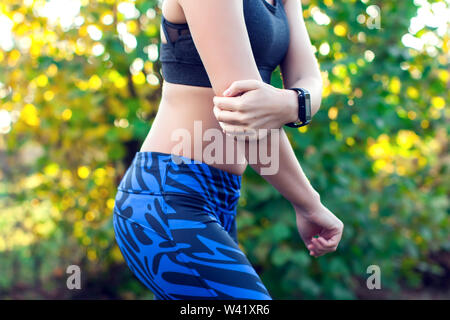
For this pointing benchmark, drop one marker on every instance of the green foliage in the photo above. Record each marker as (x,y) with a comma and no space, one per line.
(80,104)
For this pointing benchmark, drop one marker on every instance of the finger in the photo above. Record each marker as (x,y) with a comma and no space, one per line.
(242,126)
(241,86)
(318,246)
(327,244)
(233,130)
(241,133)
(333,240)
(229,117)
(228,103)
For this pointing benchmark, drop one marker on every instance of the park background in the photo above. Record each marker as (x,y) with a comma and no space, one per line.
(80,84)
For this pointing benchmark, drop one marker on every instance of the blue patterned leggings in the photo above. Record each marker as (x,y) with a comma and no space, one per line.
(174,222)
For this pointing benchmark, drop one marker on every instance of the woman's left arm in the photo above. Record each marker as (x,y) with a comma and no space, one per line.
(252,104)
(300,67)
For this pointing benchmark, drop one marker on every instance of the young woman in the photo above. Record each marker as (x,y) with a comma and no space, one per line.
(174,216)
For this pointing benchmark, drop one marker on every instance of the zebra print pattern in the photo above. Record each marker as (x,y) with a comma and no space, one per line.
(175,224)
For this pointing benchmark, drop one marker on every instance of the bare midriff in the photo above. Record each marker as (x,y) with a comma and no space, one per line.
(186,112)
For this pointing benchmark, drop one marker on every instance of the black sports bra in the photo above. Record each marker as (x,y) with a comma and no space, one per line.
(268,30)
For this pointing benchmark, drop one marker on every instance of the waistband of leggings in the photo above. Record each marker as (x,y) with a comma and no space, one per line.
(158,172)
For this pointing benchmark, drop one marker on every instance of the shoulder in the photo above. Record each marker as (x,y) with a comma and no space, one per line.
(292,3)
(293,7)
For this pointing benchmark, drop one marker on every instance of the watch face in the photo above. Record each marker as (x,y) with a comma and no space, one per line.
(308,105)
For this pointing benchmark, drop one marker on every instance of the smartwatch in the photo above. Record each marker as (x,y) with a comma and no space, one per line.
(304,108)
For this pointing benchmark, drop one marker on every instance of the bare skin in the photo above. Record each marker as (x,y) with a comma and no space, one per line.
(219,33)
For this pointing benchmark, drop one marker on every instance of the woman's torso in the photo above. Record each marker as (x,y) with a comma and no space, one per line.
(188,110)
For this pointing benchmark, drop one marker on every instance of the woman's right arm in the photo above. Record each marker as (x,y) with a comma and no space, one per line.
(220,35)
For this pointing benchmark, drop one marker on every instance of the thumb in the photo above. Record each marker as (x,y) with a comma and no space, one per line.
(241,86)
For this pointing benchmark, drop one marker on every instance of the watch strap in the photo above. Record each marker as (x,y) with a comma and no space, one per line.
(301,109)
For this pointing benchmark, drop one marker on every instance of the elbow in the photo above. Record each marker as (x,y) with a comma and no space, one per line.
(317,100)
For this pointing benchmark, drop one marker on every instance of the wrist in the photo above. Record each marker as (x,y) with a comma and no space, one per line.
(309,205)
(291,106)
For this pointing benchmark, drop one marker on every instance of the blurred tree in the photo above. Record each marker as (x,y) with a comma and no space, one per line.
(80,85)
